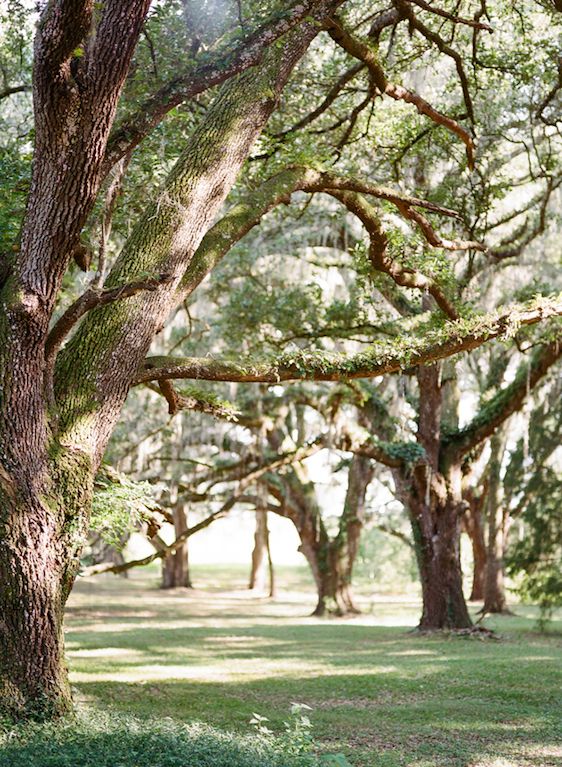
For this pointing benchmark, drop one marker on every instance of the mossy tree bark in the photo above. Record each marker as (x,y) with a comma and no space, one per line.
(45,481)
(55,421)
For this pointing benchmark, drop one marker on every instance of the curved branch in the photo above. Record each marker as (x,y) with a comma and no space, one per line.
(331,96)
(507,401)
(382,357)
(451,17)
(405,9)
(360,50)
(404,276)
(219,67)
(277,190)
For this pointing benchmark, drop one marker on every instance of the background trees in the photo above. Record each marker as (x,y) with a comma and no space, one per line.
(389,156)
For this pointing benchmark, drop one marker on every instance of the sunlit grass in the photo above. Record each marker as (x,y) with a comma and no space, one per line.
(384,696)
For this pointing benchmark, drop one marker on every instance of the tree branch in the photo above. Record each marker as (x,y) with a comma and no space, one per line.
(91,299)
(223,65)
(507,401)
(14,89)
(247,213)
(451,17)
(62,27)
(331,96)
(163,551)
(382,356)
(405,9)
(404,276)
(395,533)
(360,50)
(192,401)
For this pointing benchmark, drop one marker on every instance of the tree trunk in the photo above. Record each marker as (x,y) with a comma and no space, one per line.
(343,551)
(474,527)
(262,573)
(331,576)
(337,577)
(433,496)
(437,537)
(479,569)
(175,567)
(258,571)
(64,417)
(494,590)
(35,581)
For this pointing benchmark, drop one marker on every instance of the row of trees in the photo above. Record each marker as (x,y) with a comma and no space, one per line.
(423,202)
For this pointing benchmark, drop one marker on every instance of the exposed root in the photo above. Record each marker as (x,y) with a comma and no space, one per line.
(472,632)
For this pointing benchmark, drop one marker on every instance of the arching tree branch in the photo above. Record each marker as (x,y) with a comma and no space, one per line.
(507,401)
(382,357)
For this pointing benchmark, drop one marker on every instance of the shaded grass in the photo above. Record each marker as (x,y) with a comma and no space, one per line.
(94,739)
(380,694)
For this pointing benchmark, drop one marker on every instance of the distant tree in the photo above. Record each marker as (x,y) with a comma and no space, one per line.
(66,367)
(533,485)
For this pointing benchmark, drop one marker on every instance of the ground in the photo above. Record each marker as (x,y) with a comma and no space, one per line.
(380,694)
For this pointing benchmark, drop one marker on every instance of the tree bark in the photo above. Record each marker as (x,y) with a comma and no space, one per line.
(54,425)
(437,535)
(494,589)
(474,526)
(35,581)
(432,493)
(175,567)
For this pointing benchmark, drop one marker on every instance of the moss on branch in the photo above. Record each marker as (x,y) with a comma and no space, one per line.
(379,358)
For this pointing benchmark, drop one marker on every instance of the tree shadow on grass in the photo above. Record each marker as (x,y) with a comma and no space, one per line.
(97,739)
(377,719)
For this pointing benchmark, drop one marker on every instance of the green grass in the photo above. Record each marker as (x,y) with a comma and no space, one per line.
(380,694)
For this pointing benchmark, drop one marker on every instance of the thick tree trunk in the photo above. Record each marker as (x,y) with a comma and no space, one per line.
(433,497)
(437,536)
(337,577)
(175,567)
(33,677)
(47,417)
(41,538)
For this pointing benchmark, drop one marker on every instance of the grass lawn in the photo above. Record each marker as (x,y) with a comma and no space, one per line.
(381,695)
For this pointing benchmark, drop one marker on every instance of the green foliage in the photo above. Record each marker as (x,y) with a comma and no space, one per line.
(96,739)
(537,559)
(297,740)
(15,170)
(119,505)
(407,452)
